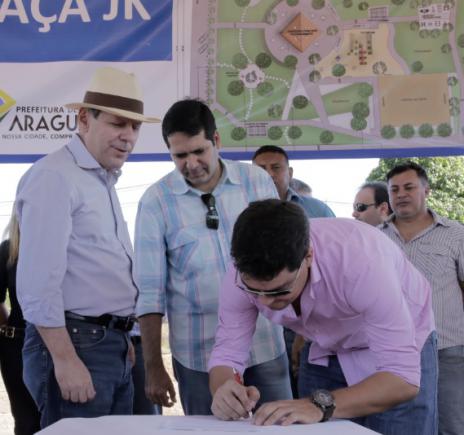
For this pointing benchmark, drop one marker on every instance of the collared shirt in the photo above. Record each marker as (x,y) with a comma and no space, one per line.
(363,302)
(75,252)
(438,252)
(313,207)
(180,262)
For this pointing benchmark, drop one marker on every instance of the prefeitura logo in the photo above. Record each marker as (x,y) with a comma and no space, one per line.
(6,103)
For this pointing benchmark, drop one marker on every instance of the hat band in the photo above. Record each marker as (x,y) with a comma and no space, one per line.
(114,101)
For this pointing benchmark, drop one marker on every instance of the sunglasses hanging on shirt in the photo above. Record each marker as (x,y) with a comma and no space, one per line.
(212,217)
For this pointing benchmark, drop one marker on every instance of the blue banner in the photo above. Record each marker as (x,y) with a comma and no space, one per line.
(88,30)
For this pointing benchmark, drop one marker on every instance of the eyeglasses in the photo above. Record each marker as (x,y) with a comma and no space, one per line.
(270,293)
(212,217)
(360,207)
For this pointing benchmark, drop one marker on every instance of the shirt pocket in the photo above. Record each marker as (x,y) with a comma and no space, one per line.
(435,260)
(181,247)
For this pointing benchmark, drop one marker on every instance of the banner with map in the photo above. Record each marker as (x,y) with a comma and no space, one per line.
(322,78)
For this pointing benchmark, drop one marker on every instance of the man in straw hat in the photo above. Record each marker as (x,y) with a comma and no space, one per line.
(75,282)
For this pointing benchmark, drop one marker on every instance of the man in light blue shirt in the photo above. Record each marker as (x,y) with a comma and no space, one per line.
(182,249)
(74,276)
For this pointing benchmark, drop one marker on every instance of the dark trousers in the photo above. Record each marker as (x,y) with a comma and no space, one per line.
(24,411)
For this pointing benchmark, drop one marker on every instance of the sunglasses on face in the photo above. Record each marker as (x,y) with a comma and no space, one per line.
(360,207)
(212,217)
(269,293)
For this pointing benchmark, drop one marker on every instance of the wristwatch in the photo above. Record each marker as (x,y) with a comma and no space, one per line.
(324,400)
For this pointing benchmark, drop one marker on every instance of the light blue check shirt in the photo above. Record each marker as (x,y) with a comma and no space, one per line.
(180,263)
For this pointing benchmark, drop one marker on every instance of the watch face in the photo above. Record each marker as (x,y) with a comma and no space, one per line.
(323,397)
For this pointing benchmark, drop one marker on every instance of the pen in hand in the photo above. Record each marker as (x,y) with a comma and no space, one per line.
(239,380)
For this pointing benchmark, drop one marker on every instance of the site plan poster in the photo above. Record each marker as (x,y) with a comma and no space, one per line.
(323,78)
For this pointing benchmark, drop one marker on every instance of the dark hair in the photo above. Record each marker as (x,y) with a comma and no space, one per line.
(270,149)
(407,166)
(270,236)
(380,192)
(190,117)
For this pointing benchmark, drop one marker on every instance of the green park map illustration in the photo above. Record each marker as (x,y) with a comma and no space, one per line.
(331,74)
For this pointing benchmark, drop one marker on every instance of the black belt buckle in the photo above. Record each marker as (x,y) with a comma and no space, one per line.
(8,331)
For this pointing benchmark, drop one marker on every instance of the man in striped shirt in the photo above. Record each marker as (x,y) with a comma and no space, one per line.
(435,245)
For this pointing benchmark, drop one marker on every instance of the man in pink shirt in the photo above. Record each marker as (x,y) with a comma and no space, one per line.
(350,291)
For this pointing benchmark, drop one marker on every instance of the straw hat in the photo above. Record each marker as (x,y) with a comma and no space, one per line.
(117,92)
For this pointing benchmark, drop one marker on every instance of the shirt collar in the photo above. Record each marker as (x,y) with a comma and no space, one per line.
(84,159)
(230,173)
(437,219)
(292,195)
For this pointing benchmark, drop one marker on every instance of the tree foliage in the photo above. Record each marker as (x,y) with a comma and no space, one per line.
(446,182)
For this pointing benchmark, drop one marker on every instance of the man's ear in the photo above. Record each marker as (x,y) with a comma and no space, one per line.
(309,257)
(83,119)
(383,207)
(217,140)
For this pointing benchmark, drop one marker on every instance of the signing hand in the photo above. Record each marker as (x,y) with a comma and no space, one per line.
(233,400)
(286,412)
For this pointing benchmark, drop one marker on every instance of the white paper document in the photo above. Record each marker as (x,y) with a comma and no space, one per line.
(170,425)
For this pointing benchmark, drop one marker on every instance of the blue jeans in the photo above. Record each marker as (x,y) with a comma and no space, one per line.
(415,417)
(451,391)
(105,354)
(270,378)
(142,404)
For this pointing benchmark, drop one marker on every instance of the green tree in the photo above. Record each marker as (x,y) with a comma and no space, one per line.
(452,81)
(275,111)
(397,2)
(239,60)
(300,102)
(238,133)
(358,124)
(407,131)
(363,6)
(338,70)
(360,110)
(242,3)
(265,89)
(292,2)
(388,132)
(417,66)
(446,48)
(461,40)
(444,130)
(294,132)
(275,133)
(446,182)
(318,4)
(263,60)
(365,90)
(347,3)
(426,130)
(414,26)
(332,30)
(314,76)
(326,137)
(314,58)
(290,61)
(235,88)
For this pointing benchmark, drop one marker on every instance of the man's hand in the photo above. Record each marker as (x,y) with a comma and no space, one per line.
(233,400)
(286,412)
(74,380)
(159,387)
(131,353)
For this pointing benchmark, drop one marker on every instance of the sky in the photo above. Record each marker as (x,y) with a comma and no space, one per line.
(333,181)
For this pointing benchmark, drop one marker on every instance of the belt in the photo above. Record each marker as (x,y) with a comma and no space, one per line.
(107,320)
(11,332)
